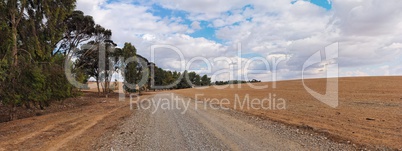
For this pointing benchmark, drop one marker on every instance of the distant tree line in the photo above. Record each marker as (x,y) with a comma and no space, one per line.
(155,77)
(235,82)
(188,79)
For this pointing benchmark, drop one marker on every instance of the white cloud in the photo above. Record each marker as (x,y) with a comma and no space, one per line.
(195,25)
(187,46)
(148,37)
(127,21)
(202,9)
(368,31)
(367,18)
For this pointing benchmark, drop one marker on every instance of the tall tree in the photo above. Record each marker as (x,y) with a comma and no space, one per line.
(80,28)
(44,25)
(193,79)
(129,51)
(169,78)
(184,83)
(142,74)
(159,76)
(30,31)
(97,61)
(205,81)
(103,46)
(197,80)
(15,12)
(106,68)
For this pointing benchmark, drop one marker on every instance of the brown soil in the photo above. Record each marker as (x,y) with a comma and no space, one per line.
(369,111)
(72,129)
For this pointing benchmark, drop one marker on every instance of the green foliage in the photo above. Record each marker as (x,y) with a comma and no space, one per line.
(235,82)
(60,88)
(36,84)
(39,38)
(194,79)
(34,81)
(77,24)
(135,65)
(130,73)
(188,79)
(88,61)
(29,32)
(205,81)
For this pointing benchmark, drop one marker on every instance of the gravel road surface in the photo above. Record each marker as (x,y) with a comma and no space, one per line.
(170,122)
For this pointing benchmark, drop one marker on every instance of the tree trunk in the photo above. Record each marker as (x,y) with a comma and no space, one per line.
(16,16)
(106,88)
(14,38)
(14,64)
(13,112)
(106,83)
(97,84)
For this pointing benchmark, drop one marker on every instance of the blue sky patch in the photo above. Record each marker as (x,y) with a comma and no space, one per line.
(322,3)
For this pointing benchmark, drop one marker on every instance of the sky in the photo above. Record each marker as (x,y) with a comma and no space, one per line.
(262,39)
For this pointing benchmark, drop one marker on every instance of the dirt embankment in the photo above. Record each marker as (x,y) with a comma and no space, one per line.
(76,128)
(56,106)
(369,111)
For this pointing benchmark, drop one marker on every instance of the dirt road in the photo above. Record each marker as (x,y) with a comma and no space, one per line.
(73,129)
(167,122)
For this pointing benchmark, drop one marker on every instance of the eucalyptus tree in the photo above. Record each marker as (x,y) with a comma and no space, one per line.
(30,31)
(130,68)
(98,59)
(80,28)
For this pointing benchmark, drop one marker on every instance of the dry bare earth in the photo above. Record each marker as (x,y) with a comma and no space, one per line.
(74,129)
(369,111)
